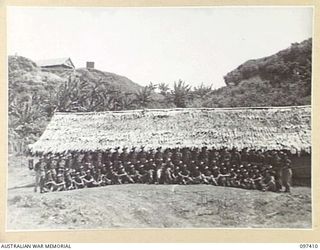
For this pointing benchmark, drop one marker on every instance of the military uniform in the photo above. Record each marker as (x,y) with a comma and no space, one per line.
(40,169)
(287,177)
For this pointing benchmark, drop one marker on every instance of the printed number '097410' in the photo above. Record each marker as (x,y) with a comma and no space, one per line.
(308,245)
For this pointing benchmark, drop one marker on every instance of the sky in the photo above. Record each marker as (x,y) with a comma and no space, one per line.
(197,45)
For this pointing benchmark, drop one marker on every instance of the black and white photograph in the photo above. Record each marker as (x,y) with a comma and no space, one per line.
(159,117)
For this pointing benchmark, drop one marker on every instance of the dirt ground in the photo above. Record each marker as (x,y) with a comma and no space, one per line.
(151,206)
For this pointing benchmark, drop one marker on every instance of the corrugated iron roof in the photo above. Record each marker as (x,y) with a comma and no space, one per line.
(54,62)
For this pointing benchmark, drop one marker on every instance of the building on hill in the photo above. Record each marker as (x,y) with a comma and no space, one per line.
(56,64)
(90,65)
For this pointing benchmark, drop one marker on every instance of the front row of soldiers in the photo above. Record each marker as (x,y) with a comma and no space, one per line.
(249,169)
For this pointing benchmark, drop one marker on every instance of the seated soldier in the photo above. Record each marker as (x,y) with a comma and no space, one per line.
(142,170)
(134,174)
(78,181)
(257,179)
(268,182)
(251,178)
(124,176)
(49,182)
(233,178)
(60,184)
(245,181)
(151,170)
(184,175)
(68,180)
(89,180)
(237,181)
(160,173)
(215,175)
(105,181)
(98,178)
(168,178)
(207,175)
(224,176)
(196,176)
(175,174)
(113,176)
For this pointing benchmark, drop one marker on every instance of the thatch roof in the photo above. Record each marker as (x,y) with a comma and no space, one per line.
(263,128)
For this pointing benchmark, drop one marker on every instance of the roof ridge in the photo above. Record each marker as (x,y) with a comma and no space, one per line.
(185,109)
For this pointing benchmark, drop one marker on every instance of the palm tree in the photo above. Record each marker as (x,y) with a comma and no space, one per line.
(143,97)
(127,101)
(202,90)
(152,86)
(181,93)
(164,88)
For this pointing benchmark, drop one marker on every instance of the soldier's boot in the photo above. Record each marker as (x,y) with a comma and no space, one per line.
(287,188)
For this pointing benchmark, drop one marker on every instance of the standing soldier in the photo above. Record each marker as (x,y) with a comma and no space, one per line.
(124,154)
(151,155)
(204,155)
(132,157)
(40,169)
(287,176)
(215,156)
(195,154)
(186,155)
(115,156)
(235,156)
(276,164)
(176,156)
(158,156)
(142,155)
(244,155)
(167,154)
(106,156)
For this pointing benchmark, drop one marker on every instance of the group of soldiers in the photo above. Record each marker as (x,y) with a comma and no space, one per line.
(249,169)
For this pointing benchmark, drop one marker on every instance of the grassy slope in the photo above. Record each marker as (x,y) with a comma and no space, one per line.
(282,79)
(26,66)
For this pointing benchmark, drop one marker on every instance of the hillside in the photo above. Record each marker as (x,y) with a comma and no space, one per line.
(35,94)
(291,64)
(282,79)
(28,70)
(112,80)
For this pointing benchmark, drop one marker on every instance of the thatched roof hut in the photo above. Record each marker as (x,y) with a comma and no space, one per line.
(258,128)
